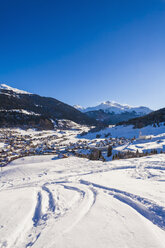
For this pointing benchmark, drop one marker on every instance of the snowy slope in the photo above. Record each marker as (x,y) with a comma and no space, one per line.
(117,108)
(22,111)
(76,203)
(8,88)
(80,108)
(127,131)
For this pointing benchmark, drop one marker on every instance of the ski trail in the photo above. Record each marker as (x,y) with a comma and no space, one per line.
(42,218)
(45,209)
(70,218)
(88,200)
(148,209)
(37,214)
(52,205)
(142,170)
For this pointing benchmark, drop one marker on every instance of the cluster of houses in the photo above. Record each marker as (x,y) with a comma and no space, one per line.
(114,142)
(20,144)
(84,148)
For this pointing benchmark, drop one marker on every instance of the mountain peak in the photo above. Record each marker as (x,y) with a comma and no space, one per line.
(78,107)
(117,108)
(8,88)
(115,104)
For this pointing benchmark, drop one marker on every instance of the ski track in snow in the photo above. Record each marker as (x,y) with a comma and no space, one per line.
(51,199)
(37,213)
(148,209)
(65,200)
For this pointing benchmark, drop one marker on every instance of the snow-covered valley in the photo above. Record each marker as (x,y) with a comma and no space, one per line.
(48,202)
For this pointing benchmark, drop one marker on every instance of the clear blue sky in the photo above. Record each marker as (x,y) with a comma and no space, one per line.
(85,51)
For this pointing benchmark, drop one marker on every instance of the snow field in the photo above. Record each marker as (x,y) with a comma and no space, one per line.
(73,202)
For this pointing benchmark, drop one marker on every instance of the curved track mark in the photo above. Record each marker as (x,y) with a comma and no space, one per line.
(151,211)
(52,205)
(37,213)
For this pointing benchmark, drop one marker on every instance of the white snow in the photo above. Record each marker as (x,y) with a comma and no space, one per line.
(129,131)
(77,203)
(17,91)
(79,107)
(117,108)
(22,111)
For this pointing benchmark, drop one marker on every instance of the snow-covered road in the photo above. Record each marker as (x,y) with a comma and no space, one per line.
(77,203)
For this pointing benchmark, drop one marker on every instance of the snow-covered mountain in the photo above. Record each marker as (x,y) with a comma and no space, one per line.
(110,112)
(80,108)
(5,87)
(116,108)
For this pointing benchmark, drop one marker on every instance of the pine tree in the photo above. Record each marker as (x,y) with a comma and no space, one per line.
(109,151)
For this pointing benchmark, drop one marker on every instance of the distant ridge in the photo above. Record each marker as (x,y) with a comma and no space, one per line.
(116,108)
(110,112)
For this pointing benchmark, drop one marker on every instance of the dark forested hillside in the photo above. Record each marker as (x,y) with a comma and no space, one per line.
(43,108)
(153,118)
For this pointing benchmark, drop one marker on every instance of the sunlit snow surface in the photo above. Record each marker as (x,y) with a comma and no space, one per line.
(70,203)
(17,91)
